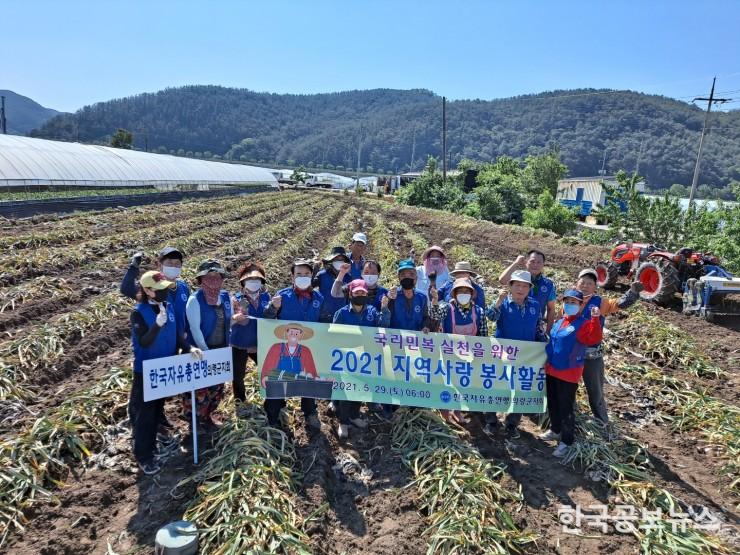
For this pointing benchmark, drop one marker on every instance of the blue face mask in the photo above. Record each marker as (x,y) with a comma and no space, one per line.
(571,309)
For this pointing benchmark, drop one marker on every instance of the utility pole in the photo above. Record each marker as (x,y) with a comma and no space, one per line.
(3,123)
(444,140)
(639,157)
(413,150)
(359,153)
(602,171)
(711,100)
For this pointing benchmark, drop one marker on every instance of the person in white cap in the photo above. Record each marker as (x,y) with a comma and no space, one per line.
(357,249)
(434,266)
(463,270)
(593,367)
(543,288)
(517,316)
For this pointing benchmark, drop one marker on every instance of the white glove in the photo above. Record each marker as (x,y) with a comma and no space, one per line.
(197,353)
(162,316)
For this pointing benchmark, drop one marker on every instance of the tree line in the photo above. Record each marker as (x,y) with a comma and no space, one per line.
(395,131)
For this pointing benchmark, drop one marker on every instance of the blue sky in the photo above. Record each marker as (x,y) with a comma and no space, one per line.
(66,54)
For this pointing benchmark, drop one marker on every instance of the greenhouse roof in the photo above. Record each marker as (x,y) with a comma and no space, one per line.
(28,161)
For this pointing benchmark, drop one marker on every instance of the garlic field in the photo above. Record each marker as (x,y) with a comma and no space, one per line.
(416,484)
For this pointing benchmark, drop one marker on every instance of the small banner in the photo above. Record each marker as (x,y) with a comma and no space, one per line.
(435,370)
(168,376)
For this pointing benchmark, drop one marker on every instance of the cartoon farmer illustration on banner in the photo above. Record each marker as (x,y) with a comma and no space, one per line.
(289,369)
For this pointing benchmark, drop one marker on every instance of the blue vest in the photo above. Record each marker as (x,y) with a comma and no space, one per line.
(460,319)
(179,298)
(380,292)
(289,364)
(245,336)
(586,312)
(445,294)
(356,270)
(402,317)
(325,281)
(515,323)
(564,351)
(368,316)
(300,310)
(208,316)
(164,345)
(541,291)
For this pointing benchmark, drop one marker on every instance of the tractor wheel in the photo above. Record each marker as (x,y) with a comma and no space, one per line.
(608,274)
(660,282)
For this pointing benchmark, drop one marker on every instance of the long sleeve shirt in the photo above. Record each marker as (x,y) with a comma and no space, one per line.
(590,333)
(147,336)
(128,283)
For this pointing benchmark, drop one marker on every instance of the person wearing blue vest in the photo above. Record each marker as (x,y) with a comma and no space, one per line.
(358,313)
(169,262)
(299,303)
(370,275)
(543,289)
(517,316)
(460,315)
(409,308)
(566,350)
(154,334)
(249,305)
(357,249)
(324,280)
(593,369)
(209,314)
(463,270)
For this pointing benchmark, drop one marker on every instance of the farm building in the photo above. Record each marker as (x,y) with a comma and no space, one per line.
(586,193)
(28,162)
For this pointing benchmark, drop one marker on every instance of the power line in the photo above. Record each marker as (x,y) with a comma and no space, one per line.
(711,100)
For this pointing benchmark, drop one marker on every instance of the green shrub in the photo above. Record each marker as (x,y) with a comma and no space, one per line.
(550,215)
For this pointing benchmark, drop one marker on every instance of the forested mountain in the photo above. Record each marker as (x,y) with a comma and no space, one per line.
(23,114)
(398,129)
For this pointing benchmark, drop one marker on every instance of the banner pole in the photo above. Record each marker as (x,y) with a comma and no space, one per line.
(195,427)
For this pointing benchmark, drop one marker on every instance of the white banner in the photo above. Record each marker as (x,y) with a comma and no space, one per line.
(168,376)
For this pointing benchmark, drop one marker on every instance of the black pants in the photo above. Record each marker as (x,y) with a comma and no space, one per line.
(240,357)
(347,410)
(511,421)
(144,420)
(274,406)
(560,398)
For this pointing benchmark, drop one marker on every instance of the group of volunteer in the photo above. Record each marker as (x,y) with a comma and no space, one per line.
(344,288)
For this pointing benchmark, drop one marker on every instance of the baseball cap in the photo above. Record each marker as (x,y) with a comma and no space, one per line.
(361,237)
(156,280)
(573,294)
(589,272)
(357,285)
(521,275)
(407,264)
(170,252)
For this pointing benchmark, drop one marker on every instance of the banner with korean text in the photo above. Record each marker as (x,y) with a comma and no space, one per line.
(435,370)
(169,376)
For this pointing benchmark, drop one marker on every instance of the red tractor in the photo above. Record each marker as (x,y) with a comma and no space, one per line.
(662,273)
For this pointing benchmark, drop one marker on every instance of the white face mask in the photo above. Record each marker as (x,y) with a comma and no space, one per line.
(464,298)
(370,279)
(171,272)
(252,285)
(303,282)
(337,265)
